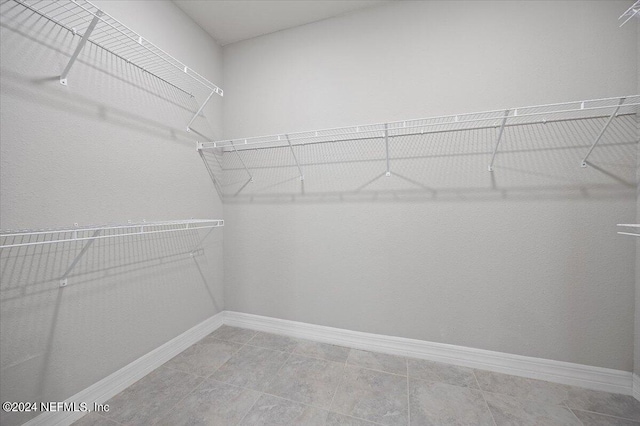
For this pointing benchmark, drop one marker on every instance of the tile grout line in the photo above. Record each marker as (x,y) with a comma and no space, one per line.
(483,397)
(283,364)
(328,410)
(405,357)
(377,371)
(603,414)
(358,418)
(241,346)
(344,371)
(249,410)
(346,365)
(202,377)
(295,402)
(185,396)
(574,414)
(279,370)
(264,392)
(293,352)
(252,337)
(230,356)
(562,404)
(177,402)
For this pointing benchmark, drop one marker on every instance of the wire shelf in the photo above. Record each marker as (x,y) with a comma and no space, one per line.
(608,108)
(82,18)
(636,226)
(634,10)
(33,237)
(460,122)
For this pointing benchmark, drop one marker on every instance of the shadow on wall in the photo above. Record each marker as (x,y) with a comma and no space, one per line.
(57,340)
(150,103)
(109,275)
(535,161)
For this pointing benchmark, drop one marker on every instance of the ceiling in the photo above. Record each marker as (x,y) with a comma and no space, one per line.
(228,21)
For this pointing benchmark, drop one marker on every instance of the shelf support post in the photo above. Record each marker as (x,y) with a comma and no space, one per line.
(294,157)
(199,110)
(500,132)
(81,43)
(604,129)
(243,165)
(63,279)
(386,146)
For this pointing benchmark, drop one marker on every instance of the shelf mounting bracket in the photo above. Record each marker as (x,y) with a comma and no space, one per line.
(243,165)
(604,129)
(500,132)
(199,110)
(64,279)
(386,146)
(81,43)
(294,157)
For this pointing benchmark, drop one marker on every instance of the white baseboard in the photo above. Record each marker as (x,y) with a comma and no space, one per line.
(597,378)
(113,384)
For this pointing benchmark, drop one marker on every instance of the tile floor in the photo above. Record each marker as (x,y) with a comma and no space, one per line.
(241,377)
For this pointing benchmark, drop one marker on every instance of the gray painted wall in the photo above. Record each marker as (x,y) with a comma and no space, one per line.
(108,148)
(525,260)
(636,364)
(441,251)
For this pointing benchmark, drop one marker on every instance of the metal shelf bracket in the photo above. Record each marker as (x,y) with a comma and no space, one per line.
(386,146)
(294,157)
(500,132)
(64,279)
(200,110)
(604,129)
(243,165)
(80,46)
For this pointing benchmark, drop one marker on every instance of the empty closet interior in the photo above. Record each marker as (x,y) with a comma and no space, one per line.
(439,194)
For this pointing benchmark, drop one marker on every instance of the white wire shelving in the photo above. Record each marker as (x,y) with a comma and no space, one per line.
(89,234)
(90,24)
(634,10)
(635,226)
(608,108)
(34,237)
